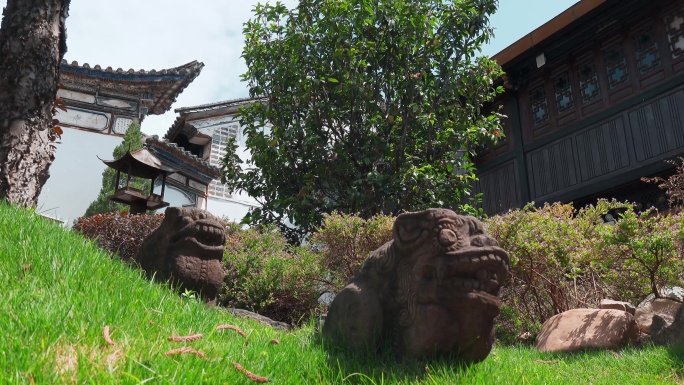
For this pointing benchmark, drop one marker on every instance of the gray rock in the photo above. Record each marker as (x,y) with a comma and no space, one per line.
(664,332)
(617,305)
(664,308)
(674,292)
(258,317)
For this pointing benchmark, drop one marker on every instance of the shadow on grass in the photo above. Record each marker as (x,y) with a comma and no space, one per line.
(676,353)
(371,367)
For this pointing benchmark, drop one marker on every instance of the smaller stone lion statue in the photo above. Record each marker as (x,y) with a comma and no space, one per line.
(432,290)
(187,249)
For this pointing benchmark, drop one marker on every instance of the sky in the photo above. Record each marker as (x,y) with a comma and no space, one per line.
(160,34)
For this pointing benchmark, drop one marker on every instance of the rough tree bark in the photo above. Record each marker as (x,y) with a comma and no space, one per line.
(32,44)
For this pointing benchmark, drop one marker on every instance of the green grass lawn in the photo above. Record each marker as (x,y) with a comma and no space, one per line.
(60,291)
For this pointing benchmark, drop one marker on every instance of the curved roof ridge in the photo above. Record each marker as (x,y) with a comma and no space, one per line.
(210,106)
(154,140)
(193,67)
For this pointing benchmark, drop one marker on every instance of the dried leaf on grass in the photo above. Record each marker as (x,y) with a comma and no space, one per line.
(232,327)
(192,337)
(185,350)
(113,358)
(105,335)
(250,375)
(552,362)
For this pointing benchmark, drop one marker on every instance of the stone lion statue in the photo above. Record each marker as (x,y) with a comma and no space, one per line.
(187,249)
(432,290)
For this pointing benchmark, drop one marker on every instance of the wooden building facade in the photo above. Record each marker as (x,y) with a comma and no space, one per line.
(594,101)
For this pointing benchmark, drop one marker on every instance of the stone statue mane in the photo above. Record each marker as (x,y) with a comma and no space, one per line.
(432,290)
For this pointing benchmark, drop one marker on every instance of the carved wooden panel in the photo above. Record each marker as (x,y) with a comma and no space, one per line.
(617,70)
(658,127)
(602,149)
(563,96)
(535,104)
(499,188)
(591,92)
(674,26)
(551,168)
(647,55)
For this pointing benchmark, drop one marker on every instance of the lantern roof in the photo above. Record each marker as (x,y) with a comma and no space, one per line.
(140,163)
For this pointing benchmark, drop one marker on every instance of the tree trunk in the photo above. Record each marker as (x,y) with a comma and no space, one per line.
(32,44)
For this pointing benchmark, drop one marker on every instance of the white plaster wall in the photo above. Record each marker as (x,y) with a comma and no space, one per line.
(76,174)
(232,210)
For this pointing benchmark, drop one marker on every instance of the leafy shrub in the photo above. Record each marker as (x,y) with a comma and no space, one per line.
(551,250)
(344,241)
(563,259)
(265,275)
(644,253)
(119,233)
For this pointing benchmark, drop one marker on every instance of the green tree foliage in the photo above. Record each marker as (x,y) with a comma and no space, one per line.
(364,106)
(133,140)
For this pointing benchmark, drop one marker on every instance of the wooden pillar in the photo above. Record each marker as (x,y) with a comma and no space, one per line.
(163,185)
(128,176)
(118,179)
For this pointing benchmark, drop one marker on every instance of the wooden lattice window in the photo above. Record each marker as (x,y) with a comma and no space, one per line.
(563,92)
(674,23)
(616,65)
(647,56)
(589,84)
(540,106)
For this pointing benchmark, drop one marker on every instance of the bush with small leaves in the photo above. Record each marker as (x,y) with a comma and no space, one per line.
(344,241)
(121,234)
(553,250)
(643,253)
(266,275)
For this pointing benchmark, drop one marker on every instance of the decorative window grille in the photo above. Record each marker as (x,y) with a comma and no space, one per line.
(563,92)
(647,56)
(674,23)
(589,84)
(540,107)
(616,65)
(219,140)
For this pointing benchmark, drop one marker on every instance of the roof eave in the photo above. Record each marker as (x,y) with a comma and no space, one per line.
(548,29)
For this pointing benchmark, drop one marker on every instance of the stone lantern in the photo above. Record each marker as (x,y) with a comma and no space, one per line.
(141,164)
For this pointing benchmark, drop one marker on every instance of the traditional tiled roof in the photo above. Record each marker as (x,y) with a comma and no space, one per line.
(162,87)
(184,157)
(224,107)
(214,106)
